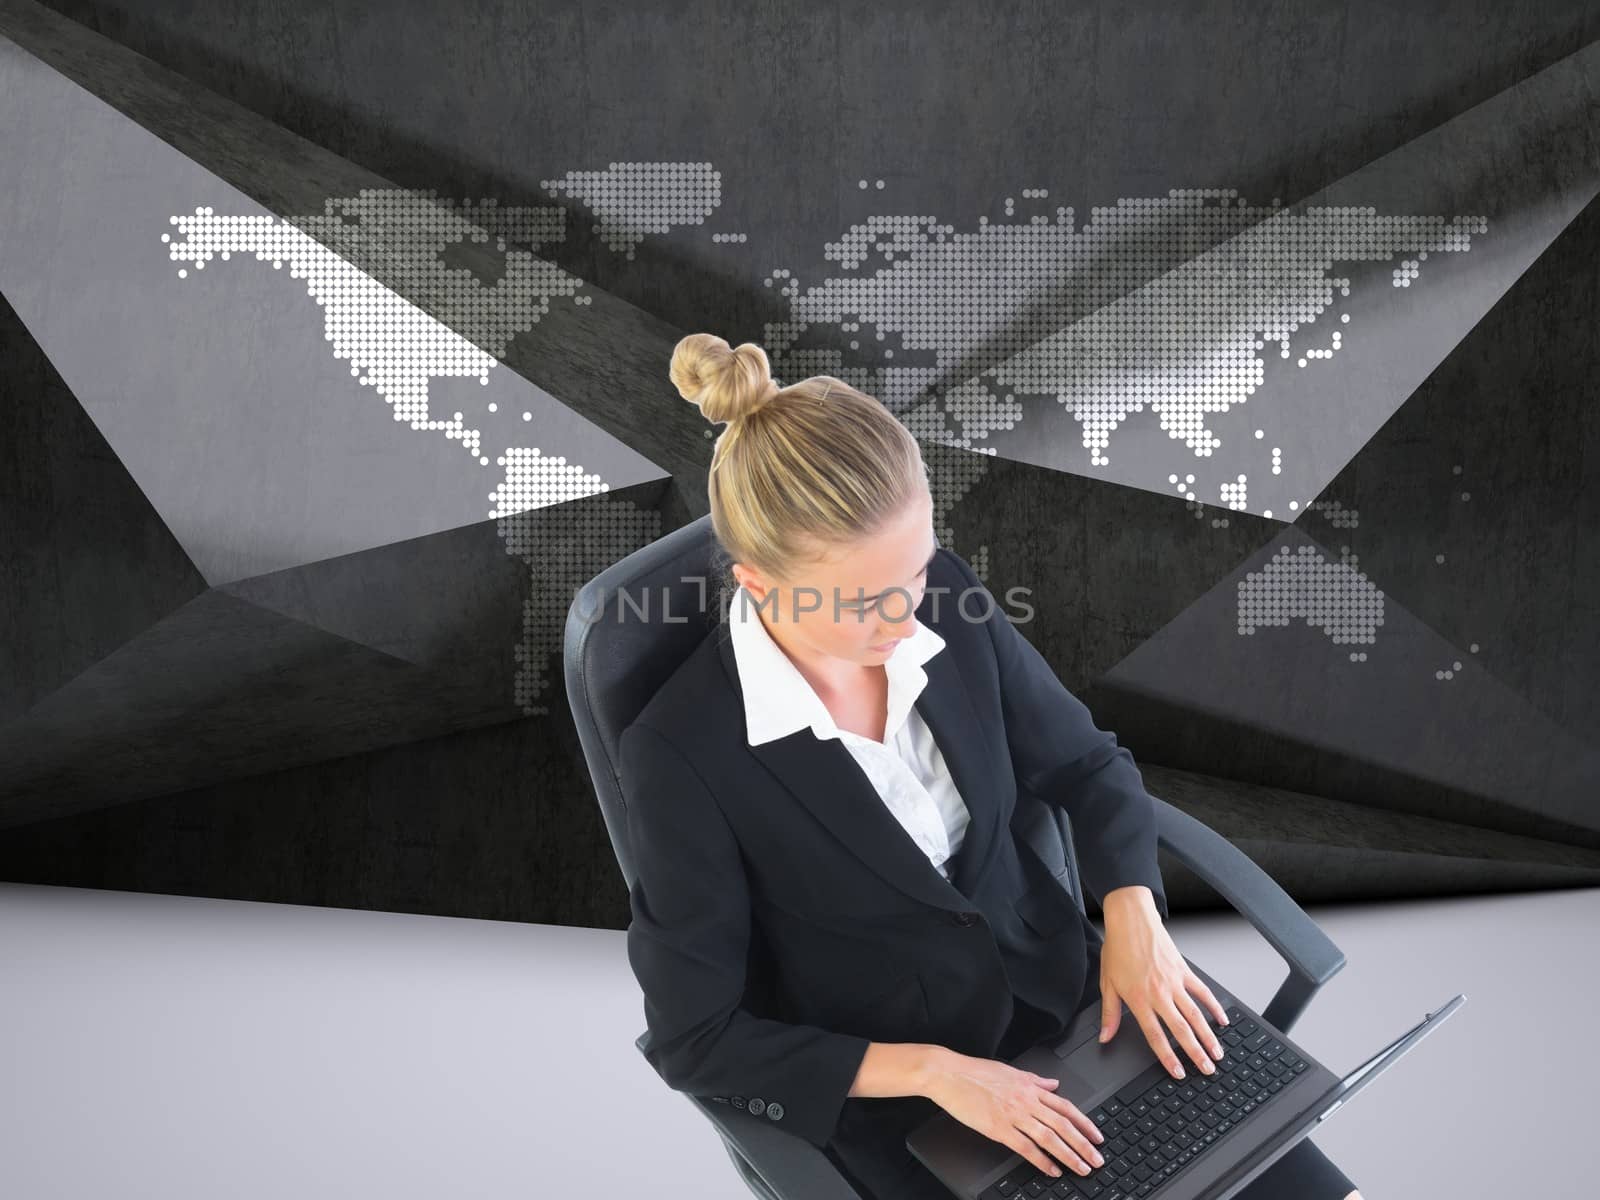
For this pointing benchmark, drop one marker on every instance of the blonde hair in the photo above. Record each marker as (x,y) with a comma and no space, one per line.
(799,470)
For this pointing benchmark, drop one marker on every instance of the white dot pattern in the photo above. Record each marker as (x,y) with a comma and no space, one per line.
(632,200)
(398,349)
(403,233)
(564,548)
(1336,513)
(1170,302)
(1332,596)
(1158,303)
(1235,494)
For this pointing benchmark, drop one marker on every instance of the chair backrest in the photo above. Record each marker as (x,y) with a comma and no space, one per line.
(629,628)
(633,625)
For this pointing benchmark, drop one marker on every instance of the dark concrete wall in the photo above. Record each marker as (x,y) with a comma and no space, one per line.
(954,107)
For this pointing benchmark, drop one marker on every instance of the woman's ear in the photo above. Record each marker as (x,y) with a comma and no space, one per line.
(751,580)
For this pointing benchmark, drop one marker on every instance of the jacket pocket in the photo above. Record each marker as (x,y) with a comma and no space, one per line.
(898,989)
(898,1011)
(892,1007)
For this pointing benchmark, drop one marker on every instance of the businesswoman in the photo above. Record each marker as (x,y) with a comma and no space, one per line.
(834,926)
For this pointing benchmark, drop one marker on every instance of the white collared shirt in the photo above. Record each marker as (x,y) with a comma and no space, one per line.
(906,768)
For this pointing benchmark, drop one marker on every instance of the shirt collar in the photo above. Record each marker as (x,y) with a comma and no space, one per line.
(778,700)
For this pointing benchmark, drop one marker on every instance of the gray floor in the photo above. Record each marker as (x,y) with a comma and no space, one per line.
(163,1046)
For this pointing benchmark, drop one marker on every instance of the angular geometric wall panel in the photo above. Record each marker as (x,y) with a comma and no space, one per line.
(61,485)
(273,416)
(1324,850)
(399,519)
(1290,643)
(1427,639)
(1220,347)
(309,465)
(401,643)
(1111,582)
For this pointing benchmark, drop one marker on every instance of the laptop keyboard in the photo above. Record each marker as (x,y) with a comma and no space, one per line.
(1157,1125)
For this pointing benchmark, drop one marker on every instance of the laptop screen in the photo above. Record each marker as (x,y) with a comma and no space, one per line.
(1367,1070)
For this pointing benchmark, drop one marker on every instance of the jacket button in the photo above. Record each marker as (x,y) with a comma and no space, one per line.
(775,1111)
(965,918)
(756,1105)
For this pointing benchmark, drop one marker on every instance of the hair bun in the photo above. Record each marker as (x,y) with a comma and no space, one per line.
(727,384)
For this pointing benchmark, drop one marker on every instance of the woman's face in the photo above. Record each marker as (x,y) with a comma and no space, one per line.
(859,603)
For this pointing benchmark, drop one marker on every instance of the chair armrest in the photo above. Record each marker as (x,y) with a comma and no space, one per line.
(789,1167)
(775,1164)
(1311,956)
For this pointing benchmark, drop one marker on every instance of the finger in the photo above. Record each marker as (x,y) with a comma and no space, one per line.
(1048,1138)
(1156,1036)
(1197,985)
(1072,1137)
(1184,1035)
(1197,1022)
(1066,1142)
(1029,1149)
(1074,1114)
(1210,1048)
(1110,1012)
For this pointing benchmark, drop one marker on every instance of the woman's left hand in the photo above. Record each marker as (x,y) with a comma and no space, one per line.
(1140,965)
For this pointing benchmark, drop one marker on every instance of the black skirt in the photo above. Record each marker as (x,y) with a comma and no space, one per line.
(869,1146)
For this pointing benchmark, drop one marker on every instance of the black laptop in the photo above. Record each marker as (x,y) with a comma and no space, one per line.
(1202,1137)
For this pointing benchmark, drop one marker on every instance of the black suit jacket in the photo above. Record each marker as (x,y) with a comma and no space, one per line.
(783,919)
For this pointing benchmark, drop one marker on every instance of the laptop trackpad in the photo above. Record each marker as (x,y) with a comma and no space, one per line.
(1092,1068)
(958,1154)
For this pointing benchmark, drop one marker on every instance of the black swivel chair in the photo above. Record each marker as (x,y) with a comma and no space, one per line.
(632,625)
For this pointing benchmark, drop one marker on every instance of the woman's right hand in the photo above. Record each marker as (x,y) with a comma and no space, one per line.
(1017,1109)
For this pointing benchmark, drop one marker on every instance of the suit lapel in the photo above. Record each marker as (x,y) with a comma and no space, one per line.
(963,740)
(830,783)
